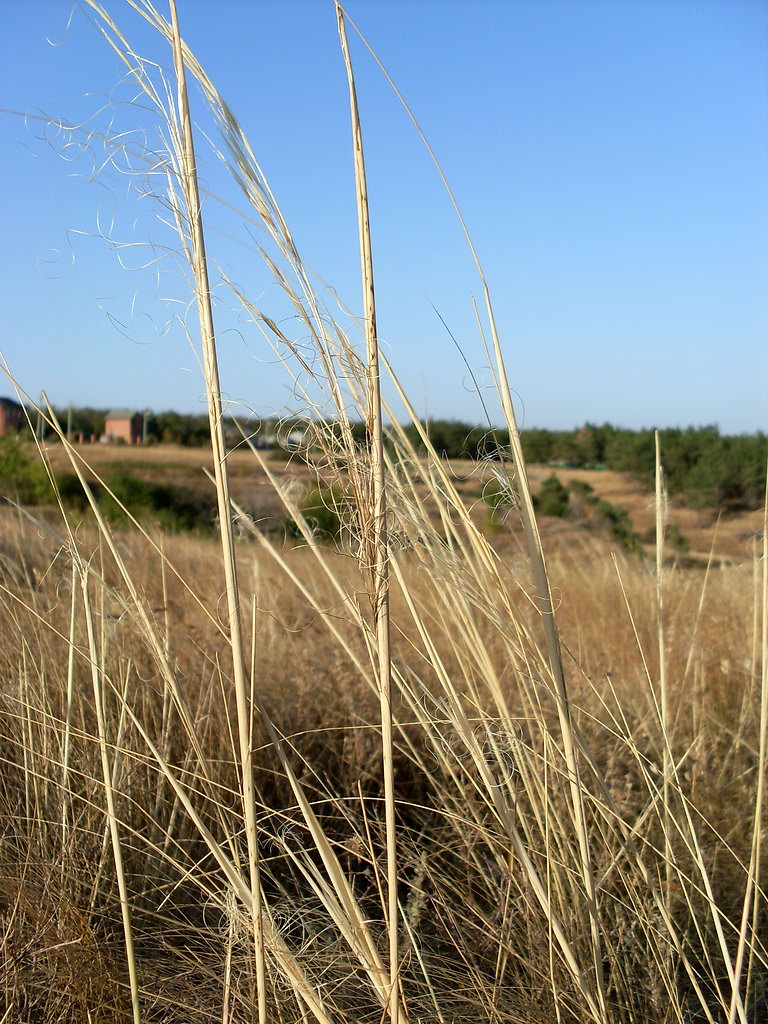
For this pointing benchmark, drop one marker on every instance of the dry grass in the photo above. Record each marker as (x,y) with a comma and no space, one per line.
(477,943)
(197,820)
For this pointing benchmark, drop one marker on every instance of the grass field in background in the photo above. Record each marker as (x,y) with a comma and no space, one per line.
(727,537)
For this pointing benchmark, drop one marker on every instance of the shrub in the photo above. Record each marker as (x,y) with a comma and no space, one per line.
(553,498)
(174,508)
(326,511)
(580,487)
(676,540)
(22,478)
(617,522)
(604,516)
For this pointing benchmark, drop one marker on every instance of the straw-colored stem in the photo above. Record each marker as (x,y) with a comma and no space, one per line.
(538,565)
(191,194)
(375,520)
(107,777)
(663,696)
(65,791)
(751,904)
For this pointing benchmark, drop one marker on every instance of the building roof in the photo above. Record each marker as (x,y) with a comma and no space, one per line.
(121,414)
(10,401)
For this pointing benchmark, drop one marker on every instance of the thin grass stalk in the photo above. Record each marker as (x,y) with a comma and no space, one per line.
(230,908)
(752,898)
(497,800)
(65,792)
(763,751)
(754,671)
(544,594)
(693,846)
(165,726)
(661,641)
(353,924)
(288,964)
(700,608)
(541,578)
(30,777)
(215,414)
(379,545)
(258,909)
(107,778)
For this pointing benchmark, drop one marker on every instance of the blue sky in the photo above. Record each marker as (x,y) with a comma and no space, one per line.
(610,159)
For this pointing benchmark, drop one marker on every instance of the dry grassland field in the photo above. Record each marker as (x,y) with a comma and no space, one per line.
(387,753)
(126,835)
(721,537)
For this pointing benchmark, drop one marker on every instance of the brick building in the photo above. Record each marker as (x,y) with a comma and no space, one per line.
(12,416)
(123,425)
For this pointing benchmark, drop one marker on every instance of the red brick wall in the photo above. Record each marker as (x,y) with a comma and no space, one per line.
(11,418)
(126,429)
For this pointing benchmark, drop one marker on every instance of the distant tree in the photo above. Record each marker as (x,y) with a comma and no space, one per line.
(454,439)
(22,477)
(553,499)
(590,444)
(538,445)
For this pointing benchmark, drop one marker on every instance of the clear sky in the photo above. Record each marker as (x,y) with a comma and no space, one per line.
(610,158)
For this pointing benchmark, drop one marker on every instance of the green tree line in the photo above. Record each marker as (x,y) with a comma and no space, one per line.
(703,466)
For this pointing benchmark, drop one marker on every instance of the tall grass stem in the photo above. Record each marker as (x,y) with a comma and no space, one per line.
(189,186)
(377,551)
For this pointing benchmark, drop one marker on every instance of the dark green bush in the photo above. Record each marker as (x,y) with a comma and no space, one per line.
(580,487)
(553,499)
(174,508)
(617,522)
(326,511)
(602,515)
(22,477)
(674,537)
